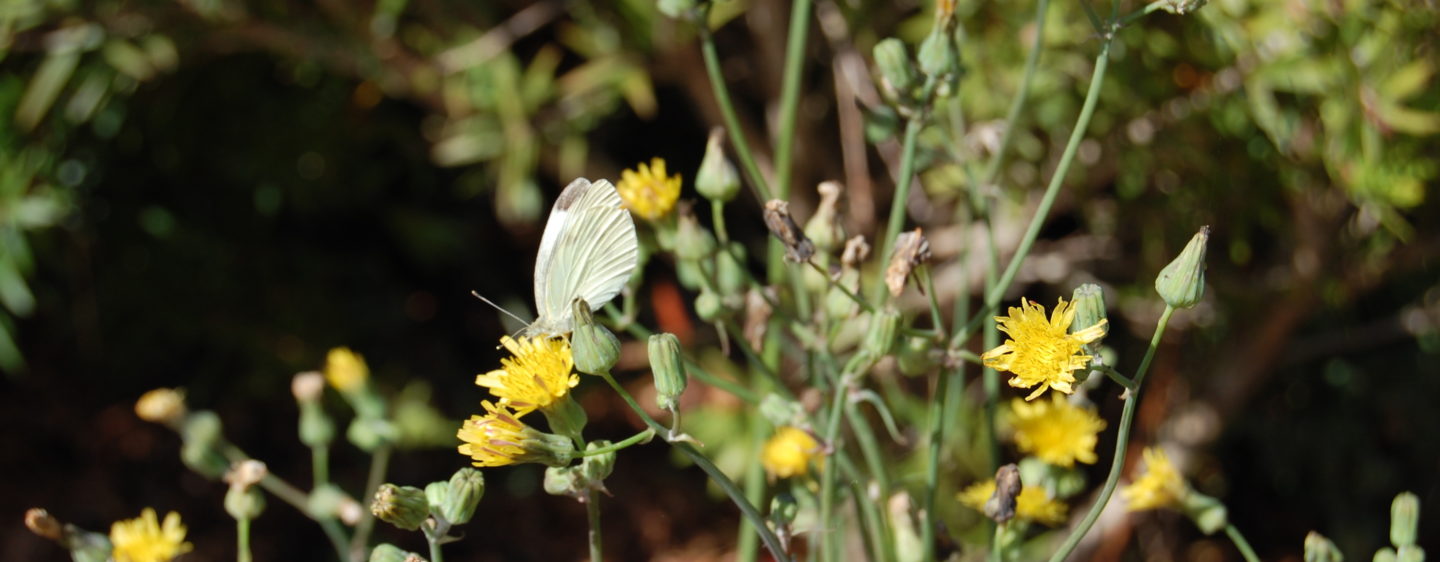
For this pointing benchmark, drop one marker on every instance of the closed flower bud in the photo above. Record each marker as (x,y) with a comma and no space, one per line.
(564,481)
(402,506)
(1409,553)
(781,411)
(717,179)
(308,386)
(880,339)
(1404,519)
(201,439)
(916,357)
(731,278)
(784,508)
(596,468)
(43,524)
(689,274)
(594,348)
(692,241)
(244,503)
(1182,283)
(669,370)
(316,427)
(1320,549)
(709,306)
(1385,554)
(326,502)
(370,433)
(386,552)
(798,247)
(824,228)
(1088,300)
(1207,512)
(162,405)
(938,54)
(894,64)
(566,417)
(435,494)
(462,496)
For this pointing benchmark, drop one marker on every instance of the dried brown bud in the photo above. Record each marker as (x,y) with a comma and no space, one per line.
(1001,505)
(911,250)
(757,316)
(308,386)
(824,228)
(798,248)
(246,473)
(856,250)
(42,523)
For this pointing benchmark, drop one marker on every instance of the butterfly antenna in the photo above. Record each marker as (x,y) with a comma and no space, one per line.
(499,308)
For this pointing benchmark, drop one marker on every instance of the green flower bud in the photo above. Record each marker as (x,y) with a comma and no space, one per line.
(405,507)
(1404,518)
(1207,512)
(1182,283)
(1409,553)
(369,433)
(717,179)
(386,552)
(594,348)
(689,274)
(916,357)
(894,64)
(1386,554)
(324,502)
(596,468)
(1320,549)
(1089,304)
(86,546)
(462,496)
(780,411)
(730,275)
(692,241)
(709,306)
(824,228)
(564,481)
(316,427)
(435,495)
(669,370)
(244,502)
(784,509)
(938,56)
(880,338)
(201,436)
(566,417)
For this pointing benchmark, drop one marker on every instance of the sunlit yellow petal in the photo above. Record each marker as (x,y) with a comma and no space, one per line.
(646,190)
(540,371)
(1056,431)
(144,539)
(1040,351)
(1161,486)
(790,452)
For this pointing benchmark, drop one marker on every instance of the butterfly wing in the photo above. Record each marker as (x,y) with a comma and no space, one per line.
(588,250)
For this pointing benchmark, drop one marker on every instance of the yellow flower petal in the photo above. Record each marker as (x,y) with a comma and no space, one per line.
(1041,352)
(1161,485)
(1033,504)
(540,372)
(1056,431)
(647,192)
(789,453)
(144,539)
(494,439)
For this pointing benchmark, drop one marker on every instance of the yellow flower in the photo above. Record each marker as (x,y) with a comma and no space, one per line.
(345,370)
(1160,486)
(789,453)
(1057,432)
(1042,352)
(1033,504)
(540,373)
(143,539)
(162,405)
(647,192)
(499,438)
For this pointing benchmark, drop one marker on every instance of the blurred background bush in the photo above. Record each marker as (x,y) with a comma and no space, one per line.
(211,193)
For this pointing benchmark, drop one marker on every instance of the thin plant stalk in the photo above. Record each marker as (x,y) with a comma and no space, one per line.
(932,466)
(870,450)
(592,514)
(288,493)
(747,547)
(1122,440)
(379,463)
(1240,543)
(727,109)
(242,540)
(827,478)
(320,465)
(618,445)
(1012,117)
(906,177)
(790,94)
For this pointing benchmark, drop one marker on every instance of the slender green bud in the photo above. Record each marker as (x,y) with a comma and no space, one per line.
(1089,304)
(669,370)
(316,427)
(916,357)
(692,241)
(462,496)
(717,179)
(596,468)
(87,546)
(894,64)
(730,275)
(1182,283)
(201,439)
(709,306)
(405,507)
(880,339)
(1207,512)
(595,349)
(564,481)
(435,495)
(1386,554)
(689,274)
(1409,553)
(566,417)
(386,552)
(1404,519)
(1320,549)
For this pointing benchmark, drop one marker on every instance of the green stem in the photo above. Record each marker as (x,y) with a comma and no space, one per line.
(592,514)
(1114,375)
(1137,14)
(1241,543)
(995,555)
(242,540)
(932,466)
(297,499)
(874,460)
(727,109)
(320,465)
(379,463)
(736,495)
(717,219)
(435,554)
(790,93)
(907,177)
(827,479)
(1012,117)
(747,547)
(642,437)
(1092,97)
(1122,440)
(838,285)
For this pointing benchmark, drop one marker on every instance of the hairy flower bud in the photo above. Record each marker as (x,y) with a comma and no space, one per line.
(894,64)
(405,507)
(1320,549)
(717,179)
(596,468)
(594,348)
(669,370)
(880,339)
(1404,519)
(564,481)
(1182,283)
(692,241)
(386,552)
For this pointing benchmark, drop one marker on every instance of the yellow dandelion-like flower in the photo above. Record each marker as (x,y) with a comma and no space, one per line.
(499,438)
(1042,352)
(1033,504)
(789,453)
(345,370)
(144,539)
(1160,486)
(1056,431)
(540,372)
(162,405)
(647,192)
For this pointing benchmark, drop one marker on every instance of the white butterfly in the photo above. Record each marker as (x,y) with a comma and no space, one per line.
(588,251)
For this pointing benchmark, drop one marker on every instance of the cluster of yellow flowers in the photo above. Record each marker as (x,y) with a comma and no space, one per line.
(539,373)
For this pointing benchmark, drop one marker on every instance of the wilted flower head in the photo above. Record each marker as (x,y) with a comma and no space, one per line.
(1041,352)
(1032,504)
(1056,431)
(499,438)
(646,190)
(162,405)
(144,539)
(540,372)
(1160,486)
(789,453)
(345,370)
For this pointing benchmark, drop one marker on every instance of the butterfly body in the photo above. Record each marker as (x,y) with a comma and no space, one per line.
(588,250)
